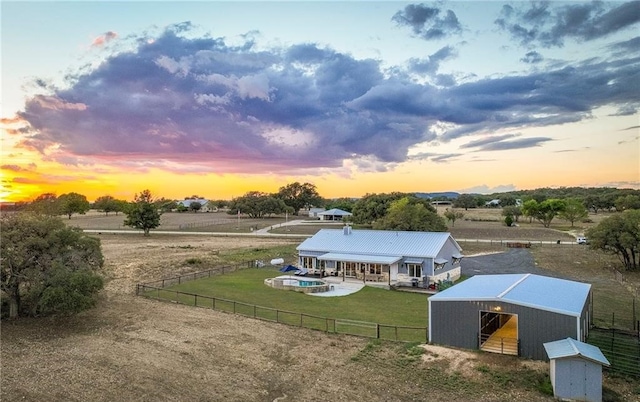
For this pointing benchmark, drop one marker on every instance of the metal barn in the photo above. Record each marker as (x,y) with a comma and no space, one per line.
(510,314)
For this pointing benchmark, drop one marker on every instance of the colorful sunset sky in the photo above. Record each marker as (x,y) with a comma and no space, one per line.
(220,98)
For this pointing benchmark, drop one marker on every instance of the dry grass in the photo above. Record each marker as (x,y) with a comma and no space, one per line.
(129,348)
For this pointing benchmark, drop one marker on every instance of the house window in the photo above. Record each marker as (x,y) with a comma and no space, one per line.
(415,270)
(375,269)
(307,262)
(456,259)
(437,266)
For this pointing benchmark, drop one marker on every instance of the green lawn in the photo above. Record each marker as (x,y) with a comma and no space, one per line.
(247,286)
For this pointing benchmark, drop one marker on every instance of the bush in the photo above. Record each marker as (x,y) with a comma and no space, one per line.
(508,220)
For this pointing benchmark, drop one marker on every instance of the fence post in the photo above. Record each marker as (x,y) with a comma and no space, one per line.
(396,333)
(254,311)
(377,331)
(195,300)
(426,334)
(213,305)
(234,307)
(277,315)
(634,312)
(300,320)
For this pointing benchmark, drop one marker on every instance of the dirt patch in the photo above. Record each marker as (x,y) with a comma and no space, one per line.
(459,360)
(130,348)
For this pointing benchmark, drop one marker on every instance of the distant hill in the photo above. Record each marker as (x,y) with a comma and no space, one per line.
(448,194)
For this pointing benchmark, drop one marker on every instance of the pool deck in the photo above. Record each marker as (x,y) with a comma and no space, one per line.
(339,288)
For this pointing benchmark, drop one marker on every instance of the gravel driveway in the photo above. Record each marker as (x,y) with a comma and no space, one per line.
(512,261)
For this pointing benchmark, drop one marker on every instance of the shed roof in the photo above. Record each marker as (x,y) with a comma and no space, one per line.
(542,292)
(335,212)
(571,348)
(378,242)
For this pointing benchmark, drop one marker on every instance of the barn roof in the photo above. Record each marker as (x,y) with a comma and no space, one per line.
(377,242)
(541,292)
(571,348)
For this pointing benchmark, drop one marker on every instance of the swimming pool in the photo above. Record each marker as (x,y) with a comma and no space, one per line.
(298,284)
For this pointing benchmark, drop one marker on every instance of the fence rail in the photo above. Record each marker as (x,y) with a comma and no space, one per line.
(309,321)
(621,348)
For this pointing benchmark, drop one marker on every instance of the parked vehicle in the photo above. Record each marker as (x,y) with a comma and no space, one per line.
(582,240)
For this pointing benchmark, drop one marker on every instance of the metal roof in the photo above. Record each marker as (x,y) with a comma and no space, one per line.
(378,242)
(376,259)
(542,292)
(570,348)
(335,212)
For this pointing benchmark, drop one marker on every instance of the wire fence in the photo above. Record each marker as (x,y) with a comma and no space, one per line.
(612,335)
(158,290)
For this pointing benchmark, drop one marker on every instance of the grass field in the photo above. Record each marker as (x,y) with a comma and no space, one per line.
(133,348)
(369,304)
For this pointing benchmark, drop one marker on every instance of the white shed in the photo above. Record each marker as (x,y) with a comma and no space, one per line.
(576,370)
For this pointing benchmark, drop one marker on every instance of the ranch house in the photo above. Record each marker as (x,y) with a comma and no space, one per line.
(391,257)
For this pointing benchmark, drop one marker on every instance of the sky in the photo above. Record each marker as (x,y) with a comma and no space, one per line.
(220,98)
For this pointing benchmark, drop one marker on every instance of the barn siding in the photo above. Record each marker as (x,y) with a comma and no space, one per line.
(456,323)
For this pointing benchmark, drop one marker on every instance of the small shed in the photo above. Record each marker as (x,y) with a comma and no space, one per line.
(576,370)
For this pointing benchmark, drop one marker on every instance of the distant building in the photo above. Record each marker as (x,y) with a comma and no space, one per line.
(313,212)
(203,202)
(334,214)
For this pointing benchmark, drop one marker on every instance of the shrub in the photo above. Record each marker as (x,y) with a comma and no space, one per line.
(508,220)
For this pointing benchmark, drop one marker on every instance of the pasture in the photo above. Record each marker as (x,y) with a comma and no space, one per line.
(132,348)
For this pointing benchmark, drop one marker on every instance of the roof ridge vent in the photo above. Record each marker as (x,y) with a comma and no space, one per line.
(513,286)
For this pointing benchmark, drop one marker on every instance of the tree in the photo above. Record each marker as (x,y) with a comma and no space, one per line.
(619,234)
(465,201)
(626,202)
(453,215)
(345,204)
(403,214)
(165,205)
(513,211)
(549,209)
(73,203)
(530,209)
(257,204)
(507,200)
(508,220)
(574,210)
(299,196)
(373,207)
(46,204)
(47,267)
(142,213)
(195,206)
(106,204)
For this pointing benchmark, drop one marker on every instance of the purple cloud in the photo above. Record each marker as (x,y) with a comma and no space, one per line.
(198,104)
